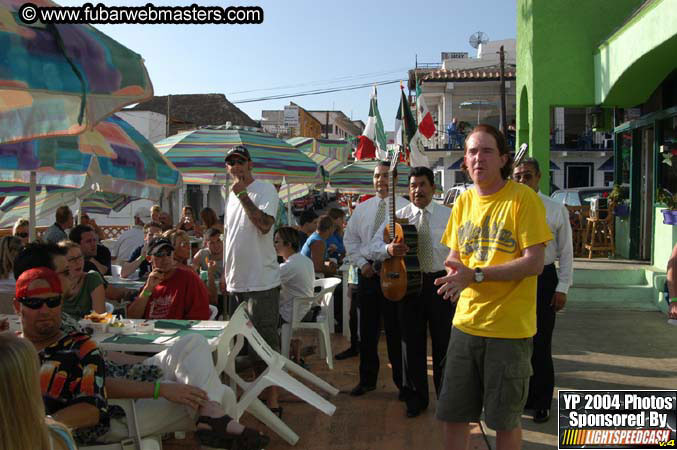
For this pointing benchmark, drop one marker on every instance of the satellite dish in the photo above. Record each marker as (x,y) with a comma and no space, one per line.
(478,38)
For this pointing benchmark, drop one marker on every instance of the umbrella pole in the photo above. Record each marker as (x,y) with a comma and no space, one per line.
(31,208)
(288,204)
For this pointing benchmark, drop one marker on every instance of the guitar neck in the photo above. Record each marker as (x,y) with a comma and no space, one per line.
(391,215)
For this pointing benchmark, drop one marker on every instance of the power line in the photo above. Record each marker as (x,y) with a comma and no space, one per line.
(316,92)
(329,81)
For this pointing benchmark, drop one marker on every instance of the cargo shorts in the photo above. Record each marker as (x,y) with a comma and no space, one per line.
(485,372)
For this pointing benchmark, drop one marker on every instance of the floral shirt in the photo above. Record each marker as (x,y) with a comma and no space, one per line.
(72,372)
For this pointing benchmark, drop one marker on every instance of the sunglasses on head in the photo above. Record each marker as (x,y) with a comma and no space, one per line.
(22,235)
(36,303)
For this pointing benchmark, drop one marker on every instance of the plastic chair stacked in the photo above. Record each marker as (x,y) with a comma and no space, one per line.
(277,373)
(324,323)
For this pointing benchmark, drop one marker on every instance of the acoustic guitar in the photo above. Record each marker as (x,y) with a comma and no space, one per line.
(400,275)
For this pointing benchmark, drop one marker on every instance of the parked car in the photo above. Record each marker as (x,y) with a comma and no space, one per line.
(580,196)
(453,193)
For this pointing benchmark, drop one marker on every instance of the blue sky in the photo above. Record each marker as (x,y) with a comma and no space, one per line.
(310,44)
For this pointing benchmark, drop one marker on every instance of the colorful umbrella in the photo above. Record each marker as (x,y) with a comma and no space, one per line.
(47,202)
(58,80)
(114,157)
(359,178)
(199,155)
(330,154)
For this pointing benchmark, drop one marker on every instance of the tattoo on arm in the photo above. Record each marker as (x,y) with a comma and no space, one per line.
(261,220)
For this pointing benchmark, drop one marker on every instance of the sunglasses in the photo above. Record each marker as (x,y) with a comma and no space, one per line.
(22,235)
(236,161)
(36,303)
(163,253)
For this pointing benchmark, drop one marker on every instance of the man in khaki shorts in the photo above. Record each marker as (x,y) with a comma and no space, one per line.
(496,235)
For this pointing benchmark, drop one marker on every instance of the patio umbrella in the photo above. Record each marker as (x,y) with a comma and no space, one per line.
(358,178)
(61,79)
(330,154)
(113,158)
(199,155)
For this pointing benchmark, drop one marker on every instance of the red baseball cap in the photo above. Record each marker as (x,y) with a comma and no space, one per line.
(39,273)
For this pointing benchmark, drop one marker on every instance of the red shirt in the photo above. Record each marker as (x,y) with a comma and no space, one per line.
(182,296)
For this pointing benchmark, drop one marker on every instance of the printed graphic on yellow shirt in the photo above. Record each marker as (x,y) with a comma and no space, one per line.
(479,241)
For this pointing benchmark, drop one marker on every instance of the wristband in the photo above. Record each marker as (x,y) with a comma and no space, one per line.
(156,392)
(146,293)
(672,300)
(241,193)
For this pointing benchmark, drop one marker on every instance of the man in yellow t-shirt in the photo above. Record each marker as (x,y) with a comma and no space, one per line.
(496,235)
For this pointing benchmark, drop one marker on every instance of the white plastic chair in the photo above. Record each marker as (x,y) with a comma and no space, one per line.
(213,312)
(323,323)
(240,328)
(145,443)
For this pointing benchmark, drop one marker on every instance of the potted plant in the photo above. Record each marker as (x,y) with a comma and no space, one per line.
(670,201)
(618,197)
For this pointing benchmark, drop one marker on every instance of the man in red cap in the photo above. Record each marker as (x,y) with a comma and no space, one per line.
(72,369)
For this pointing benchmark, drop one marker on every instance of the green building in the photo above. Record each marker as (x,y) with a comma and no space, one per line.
(619,57)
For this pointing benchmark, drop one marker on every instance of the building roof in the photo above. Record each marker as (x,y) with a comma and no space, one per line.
(195,110)
(489,73)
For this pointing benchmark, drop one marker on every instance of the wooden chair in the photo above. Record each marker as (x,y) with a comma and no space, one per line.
(599,233)
(578,216)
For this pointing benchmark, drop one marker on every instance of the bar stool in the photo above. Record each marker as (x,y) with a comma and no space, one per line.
(599,233)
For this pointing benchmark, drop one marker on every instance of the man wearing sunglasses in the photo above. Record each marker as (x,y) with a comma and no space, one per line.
(170,292)
(72,368)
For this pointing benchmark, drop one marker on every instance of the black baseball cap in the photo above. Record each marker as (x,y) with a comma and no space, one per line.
(159,243)
(240,151)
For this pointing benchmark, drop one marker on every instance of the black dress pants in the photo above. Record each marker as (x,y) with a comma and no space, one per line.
(542,382)
(374,307)
(418,314)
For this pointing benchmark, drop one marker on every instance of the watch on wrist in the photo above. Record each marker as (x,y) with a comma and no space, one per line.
(479,275)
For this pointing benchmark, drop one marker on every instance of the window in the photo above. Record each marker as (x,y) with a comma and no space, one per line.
(608,178)
(667,178)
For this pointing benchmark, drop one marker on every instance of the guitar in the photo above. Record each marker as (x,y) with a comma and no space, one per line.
(400,275)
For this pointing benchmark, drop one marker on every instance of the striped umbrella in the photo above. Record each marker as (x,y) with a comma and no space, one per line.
(359,178)
(199,155)
(113,157)
(61,79)
(330,154)
(47,202)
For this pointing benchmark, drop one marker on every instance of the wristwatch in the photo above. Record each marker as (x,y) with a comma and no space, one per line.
(479,275)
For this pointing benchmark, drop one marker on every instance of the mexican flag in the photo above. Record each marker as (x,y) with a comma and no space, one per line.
(426,125)
(373,140)
(408,135)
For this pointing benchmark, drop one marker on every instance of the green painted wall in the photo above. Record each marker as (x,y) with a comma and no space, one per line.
(622,238)
(638,56)
(665,237)
(556,40)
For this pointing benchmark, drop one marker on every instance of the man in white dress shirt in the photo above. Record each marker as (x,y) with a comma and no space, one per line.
(553,285)
(365,220)
(132,238)
(427,308)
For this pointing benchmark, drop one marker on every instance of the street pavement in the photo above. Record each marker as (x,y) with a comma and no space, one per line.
(593,349)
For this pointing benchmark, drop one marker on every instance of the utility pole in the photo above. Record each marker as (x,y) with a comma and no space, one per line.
(167,125)
(326,125)
(502,125)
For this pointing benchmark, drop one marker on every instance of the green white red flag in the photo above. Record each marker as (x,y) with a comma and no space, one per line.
(372,142)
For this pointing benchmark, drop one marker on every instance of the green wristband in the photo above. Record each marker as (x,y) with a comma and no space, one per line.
(156,392)
(241,193)
(672,300)
(146,293)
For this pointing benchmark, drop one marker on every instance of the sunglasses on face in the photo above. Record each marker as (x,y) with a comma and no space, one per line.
(163,253)
(22,235)
(36,303)
(236,161)
(523,176)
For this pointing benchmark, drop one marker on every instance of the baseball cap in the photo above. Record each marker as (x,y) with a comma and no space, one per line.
(143,214)
(38,273)
(240,151)
(157,244)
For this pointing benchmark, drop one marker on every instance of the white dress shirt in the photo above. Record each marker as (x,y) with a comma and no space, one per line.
(359,231)
(438,216)
(128,241)
(561,247)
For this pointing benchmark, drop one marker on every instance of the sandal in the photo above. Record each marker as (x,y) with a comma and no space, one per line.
(277,411)
(219,437)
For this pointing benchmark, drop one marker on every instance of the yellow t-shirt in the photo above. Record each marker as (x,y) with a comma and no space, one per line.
(488,231)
